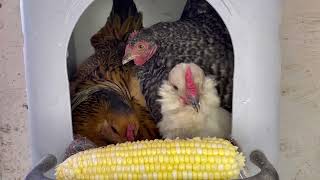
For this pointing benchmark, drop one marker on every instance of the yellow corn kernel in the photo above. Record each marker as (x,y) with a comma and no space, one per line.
(206,158)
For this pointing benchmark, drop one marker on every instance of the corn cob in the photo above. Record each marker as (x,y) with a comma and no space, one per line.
(206,158)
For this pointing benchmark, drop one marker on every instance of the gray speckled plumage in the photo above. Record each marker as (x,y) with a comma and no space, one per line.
(201,37)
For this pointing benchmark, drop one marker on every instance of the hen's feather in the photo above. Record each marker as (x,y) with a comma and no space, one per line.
(109,42)
(123,19)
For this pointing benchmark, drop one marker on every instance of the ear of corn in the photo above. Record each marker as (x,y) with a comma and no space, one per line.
(207,158)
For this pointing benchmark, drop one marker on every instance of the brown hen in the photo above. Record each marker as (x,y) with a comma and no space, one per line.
(107,104)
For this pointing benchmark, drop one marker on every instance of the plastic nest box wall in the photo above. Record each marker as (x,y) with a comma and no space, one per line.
(253,26)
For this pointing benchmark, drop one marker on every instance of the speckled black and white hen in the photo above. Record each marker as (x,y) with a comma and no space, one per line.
(199,36)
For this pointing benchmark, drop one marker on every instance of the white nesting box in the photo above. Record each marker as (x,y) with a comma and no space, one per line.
(48,26)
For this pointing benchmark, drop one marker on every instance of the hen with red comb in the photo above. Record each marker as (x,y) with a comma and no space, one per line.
(199,36)
(190,105)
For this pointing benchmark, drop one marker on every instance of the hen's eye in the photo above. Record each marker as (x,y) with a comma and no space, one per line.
(140,46)
(175,87)
(114,130)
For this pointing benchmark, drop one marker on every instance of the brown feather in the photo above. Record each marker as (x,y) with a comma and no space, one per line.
(126,25)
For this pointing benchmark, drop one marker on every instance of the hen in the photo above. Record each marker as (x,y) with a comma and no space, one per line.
(190,105)
(199,37)
(107,104)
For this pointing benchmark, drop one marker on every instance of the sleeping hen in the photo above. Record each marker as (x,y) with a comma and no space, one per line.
(190,105)
(199,37)
(107,104)
(106,112)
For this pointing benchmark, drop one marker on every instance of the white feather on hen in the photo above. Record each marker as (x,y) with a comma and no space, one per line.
(181,120)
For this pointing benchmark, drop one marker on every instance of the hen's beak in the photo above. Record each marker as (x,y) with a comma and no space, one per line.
(195,103)
(127,58)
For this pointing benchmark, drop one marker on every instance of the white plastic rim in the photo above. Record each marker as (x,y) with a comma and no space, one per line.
(254,29)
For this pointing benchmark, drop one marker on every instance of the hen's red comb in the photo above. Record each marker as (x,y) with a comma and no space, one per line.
(190,85)
(133,34)
(130,132)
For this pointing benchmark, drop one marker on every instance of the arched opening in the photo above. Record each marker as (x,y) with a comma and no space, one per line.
(95,17)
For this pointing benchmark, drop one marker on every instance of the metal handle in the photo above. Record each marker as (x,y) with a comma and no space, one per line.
(268,172)
(44,165)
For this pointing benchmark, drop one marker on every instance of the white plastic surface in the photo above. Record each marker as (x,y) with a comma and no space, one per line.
(254,29)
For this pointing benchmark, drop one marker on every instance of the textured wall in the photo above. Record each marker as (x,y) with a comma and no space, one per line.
(300,108)
(14,152)
(300,101)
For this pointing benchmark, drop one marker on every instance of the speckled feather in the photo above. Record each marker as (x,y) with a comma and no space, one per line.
(201,37)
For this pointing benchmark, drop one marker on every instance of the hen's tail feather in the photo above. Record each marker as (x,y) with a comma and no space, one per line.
(124,9)
(109,42)
(194,8)
(123,19)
